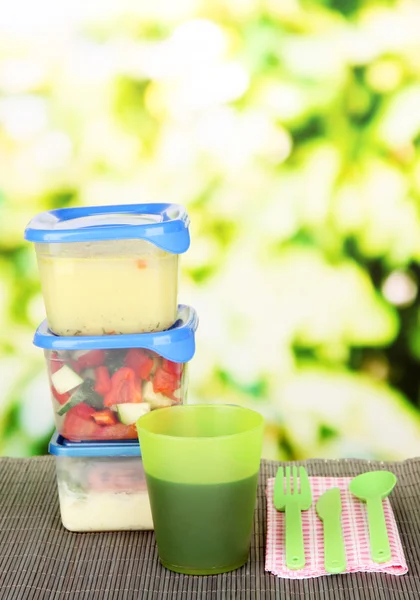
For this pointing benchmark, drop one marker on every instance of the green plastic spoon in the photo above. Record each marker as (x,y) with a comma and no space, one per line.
(372,488)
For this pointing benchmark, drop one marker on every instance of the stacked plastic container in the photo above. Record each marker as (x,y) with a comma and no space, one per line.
(117,345)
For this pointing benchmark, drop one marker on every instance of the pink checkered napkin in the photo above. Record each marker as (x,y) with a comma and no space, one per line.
(355,532)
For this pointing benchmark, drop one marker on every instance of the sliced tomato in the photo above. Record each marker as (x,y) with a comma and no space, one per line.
(133,358)
(77,428)
(125,387)
(164,382)
(102,381)
(141,363)
(83,410)
(172,367)
(116,432)
(61,398)
(105,417)
(93,358)
(145,369)
(76,367)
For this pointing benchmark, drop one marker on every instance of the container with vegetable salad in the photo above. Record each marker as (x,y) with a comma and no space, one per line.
(101,486)
(100,385)
(110,269)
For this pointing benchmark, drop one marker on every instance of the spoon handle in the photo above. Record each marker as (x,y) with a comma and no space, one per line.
(379,541)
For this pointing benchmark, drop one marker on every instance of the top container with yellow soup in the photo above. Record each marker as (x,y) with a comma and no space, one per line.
(110,269)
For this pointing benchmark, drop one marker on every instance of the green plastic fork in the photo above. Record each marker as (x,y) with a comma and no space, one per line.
(293,501)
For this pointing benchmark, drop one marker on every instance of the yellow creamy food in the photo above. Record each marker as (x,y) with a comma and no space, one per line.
(122,286)
(99,511)
(103,493)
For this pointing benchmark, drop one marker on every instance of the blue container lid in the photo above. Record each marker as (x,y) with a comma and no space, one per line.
(176,344)
(164,225)
(59,446)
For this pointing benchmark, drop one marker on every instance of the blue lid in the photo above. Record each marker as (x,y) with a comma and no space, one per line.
(165,225)
(176,344)
(59,446)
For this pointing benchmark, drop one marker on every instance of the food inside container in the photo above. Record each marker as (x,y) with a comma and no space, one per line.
(110,270)
(101,487)
(101,385)
(127,286)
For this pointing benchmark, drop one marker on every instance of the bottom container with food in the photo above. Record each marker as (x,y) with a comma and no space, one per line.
(101,486)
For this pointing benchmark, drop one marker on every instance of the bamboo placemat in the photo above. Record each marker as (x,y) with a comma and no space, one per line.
(39,559)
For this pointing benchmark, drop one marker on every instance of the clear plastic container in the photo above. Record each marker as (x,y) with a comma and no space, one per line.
(101,487)
(115,287)
(110,270)
(100,385)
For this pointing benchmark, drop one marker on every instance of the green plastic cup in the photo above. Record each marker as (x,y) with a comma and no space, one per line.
(201,464)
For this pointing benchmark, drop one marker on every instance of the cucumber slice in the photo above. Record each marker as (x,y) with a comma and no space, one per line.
(84,393)
(155,400)
(65,379)
(92,398)
(115,360)
(74,400)
(129,413)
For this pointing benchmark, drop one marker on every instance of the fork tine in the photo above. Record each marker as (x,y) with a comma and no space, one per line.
(304,480)
(305,486)
(295,481)
(288,490)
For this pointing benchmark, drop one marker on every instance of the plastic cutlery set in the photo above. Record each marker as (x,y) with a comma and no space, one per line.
(292,495)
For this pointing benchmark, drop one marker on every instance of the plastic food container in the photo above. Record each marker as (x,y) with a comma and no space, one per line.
(101,487)
(110,269)
(100,385)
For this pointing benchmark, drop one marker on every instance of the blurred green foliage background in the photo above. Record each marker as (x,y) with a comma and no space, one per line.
(291,131)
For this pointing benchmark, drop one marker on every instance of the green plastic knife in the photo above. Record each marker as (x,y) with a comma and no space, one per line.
(328,509)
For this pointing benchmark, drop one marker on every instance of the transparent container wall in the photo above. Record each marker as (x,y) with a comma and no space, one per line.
(108,287)
(99,394)
(103,494)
